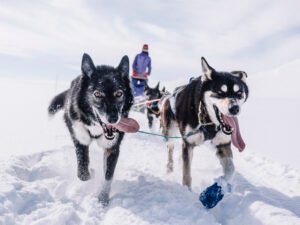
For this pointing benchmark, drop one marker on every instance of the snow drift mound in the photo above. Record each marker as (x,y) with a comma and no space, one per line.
(42,188)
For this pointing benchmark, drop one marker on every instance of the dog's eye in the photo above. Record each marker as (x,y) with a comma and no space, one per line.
(240,94)
(119,94)
(98,94)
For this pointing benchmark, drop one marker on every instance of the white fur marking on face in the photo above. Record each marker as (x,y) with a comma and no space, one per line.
(222,104)
(236,88)
(224,88)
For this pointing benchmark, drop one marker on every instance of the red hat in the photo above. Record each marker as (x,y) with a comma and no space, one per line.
(145,48)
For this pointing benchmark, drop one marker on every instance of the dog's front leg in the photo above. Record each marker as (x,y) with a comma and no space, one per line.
(187,156)
(150,119)
(215,193)
(110,160)
(224,153)
(82,154)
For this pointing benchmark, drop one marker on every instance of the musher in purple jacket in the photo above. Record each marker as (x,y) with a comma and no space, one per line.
(141,70)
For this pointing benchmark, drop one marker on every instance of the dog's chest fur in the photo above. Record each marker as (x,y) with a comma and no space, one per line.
(86,133)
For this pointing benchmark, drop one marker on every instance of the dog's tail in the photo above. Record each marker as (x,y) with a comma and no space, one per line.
(57,103)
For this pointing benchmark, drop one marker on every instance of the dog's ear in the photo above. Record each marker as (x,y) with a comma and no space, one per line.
(240,74)
(87,65)
(124,66)
(163,89)
(157,86)
(206,69)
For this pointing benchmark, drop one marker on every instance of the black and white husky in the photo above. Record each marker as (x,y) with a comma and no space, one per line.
(206,109)
(152,110)
(96,107)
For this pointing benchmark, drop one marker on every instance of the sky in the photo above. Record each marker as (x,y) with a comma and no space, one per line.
(46,39)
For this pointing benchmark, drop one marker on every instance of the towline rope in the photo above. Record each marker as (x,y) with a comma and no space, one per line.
(200,128)
(147,102)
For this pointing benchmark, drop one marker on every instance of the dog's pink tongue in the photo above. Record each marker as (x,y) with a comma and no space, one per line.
(128,125)
(236,137)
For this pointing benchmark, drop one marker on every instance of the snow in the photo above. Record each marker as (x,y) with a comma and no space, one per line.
(42,188)
(38,167)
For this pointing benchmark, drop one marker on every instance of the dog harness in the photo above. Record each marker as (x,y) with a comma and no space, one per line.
(153,107)
(172,99)
(206,126)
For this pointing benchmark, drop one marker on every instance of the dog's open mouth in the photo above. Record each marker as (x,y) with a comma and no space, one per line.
(109,131)
(230,126)
(127,125)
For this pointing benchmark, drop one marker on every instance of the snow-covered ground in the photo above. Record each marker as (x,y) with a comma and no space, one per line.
(38,167)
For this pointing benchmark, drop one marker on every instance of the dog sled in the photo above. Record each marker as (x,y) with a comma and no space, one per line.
(138,83)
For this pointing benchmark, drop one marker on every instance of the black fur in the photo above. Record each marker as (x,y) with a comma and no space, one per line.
(101,95)
(57,103)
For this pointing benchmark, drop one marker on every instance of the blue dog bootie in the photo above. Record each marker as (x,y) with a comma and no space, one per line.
(214,193)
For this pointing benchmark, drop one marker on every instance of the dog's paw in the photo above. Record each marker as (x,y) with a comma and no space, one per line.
(169,168)
(103,198)
(211,196)
(83,175)
(215,193)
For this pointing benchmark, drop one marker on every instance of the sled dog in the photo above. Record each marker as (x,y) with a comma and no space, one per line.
(96,107)
(153,107)
(206,109)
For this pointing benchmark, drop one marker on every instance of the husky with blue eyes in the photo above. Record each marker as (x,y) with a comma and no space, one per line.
(96,108)
(206,109)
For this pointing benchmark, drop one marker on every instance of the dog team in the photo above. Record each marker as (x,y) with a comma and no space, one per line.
(97,105)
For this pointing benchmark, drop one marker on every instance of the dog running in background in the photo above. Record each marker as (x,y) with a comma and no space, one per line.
(96,107)
(152,108)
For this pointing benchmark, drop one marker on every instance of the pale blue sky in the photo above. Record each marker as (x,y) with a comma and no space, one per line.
(46,39)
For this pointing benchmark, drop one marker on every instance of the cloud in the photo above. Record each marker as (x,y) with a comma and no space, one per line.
(250,35)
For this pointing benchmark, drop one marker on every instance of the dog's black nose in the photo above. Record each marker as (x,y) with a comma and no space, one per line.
(234,109)
(112,119)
